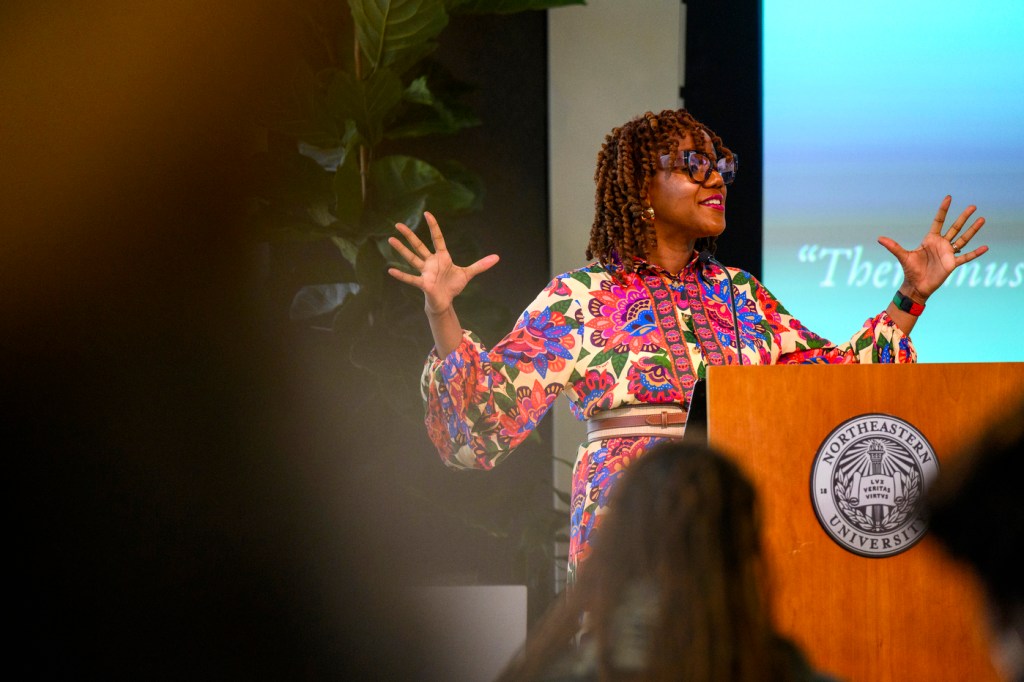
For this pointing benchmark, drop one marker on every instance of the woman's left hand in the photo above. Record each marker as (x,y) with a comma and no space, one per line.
(927,267)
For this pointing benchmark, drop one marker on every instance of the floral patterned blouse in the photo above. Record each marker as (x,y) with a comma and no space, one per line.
(610,339)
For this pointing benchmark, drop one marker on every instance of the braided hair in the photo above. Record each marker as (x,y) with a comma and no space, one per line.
(623,228)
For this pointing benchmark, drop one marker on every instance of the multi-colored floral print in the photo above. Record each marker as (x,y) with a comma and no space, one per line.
(609,339)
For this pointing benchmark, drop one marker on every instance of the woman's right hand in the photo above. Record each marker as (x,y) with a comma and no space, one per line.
(440,279)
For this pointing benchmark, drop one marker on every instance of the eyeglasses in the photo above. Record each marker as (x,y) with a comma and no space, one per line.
(699,165)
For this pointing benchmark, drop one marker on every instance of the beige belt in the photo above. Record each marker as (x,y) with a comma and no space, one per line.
(668,420)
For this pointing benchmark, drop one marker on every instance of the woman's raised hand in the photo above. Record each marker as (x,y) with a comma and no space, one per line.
(440,279)
(927,267)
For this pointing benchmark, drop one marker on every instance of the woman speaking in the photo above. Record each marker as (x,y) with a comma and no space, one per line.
(628,336)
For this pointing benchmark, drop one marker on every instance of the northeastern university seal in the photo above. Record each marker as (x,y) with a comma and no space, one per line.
(868,483)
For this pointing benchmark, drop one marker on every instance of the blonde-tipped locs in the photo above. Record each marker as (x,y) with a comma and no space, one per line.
(623,228)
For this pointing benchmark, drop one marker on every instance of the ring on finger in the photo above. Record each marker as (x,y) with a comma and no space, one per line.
(956,246)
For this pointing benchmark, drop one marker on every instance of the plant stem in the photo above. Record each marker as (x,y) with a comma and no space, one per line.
(364,153)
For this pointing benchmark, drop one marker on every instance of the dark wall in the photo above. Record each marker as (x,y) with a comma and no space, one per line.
(506,58)
(723,90)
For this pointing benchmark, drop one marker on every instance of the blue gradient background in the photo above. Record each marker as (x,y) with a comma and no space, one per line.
(873,112)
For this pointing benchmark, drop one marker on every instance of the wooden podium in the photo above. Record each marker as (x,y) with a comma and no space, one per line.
(915,615)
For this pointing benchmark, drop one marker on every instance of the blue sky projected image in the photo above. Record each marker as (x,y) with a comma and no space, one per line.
(873,112)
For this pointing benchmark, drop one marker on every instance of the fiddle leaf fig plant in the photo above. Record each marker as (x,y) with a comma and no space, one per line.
(341,167)
(335,172)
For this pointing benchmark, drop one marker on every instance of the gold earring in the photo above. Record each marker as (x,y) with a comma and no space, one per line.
(649,213)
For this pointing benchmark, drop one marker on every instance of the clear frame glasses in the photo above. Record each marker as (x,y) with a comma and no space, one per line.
(699,165)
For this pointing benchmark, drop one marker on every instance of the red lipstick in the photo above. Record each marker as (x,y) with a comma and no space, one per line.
(715,201)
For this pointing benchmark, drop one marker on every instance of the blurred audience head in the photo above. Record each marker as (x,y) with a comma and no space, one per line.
(977,515)
(674,587)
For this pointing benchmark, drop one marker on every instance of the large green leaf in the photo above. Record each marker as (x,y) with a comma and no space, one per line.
(430,113)
(370,268)
(419,92)
(390,29)
(316,300)
(347,247)
(455,172)
(451,198)
(348,191)
(505,6)
(412,57)
(359,309)
(367,102)
(353,316)
(380,221)
(400,189)
(330,157)
(396,179)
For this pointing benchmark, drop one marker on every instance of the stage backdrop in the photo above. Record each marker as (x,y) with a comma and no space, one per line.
(872,113)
